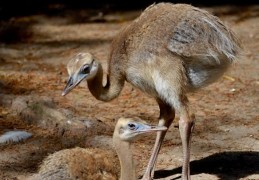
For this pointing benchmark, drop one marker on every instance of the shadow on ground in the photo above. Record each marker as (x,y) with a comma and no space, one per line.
(223,165)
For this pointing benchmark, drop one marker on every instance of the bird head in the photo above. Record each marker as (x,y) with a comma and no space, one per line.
(81,66)
(128,128)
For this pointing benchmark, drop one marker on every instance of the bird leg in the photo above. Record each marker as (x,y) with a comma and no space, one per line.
(166,118)
(186,125)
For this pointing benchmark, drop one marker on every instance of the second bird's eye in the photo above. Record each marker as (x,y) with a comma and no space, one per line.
(85,69)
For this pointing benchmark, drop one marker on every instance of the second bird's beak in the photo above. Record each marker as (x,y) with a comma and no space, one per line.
(147,128)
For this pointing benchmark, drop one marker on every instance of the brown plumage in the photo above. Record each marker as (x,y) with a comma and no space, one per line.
(97,164)
(79,163)
(170,50)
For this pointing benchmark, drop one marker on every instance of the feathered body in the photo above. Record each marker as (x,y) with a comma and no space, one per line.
(79,163)
(172,48)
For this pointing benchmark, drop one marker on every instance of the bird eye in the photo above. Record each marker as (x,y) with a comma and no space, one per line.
(131,126)
(85,69)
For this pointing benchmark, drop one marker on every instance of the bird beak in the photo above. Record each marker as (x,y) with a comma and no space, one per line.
(148,128)
(72,82)
(70,85)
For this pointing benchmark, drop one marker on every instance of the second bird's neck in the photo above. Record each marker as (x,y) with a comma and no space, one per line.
(124,152)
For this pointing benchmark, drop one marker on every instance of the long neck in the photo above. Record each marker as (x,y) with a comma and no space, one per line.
(124,152)
(112,89)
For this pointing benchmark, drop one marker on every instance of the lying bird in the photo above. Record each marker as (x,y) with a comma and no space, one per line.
(94,164)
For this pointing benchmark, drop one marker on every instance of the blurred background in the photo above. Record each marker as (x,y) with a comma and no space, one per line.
(39,37)
(9,8)
(18,17)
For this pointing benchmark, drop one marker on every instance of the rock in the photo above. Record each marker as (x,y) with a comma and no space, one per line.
(14,136)
(37,110)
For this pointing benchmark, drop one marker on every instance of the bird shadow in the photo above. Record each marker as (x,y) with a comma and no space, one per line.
(225,165)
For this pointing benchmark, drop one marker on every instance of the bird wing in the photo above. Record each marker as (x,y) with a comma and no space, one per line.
(201,35)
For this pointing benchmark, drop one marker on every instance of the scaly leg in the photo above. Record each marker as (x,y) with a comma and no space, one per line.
(186,125)
(166,118)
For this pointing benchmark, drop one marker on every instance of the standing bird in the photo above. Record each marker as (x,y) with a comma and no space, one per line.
(80,163)
(168,51)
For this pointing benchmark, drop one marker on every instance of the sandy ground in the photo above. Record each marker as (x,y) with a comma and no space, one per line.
(33,57)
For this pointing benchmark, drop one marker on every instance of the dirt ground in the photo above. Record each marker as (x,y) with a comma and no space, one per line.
(33,54)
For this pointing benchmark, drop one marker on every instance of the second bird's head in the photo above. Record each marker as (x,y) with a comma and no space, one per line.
(127,129)
(81,66)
